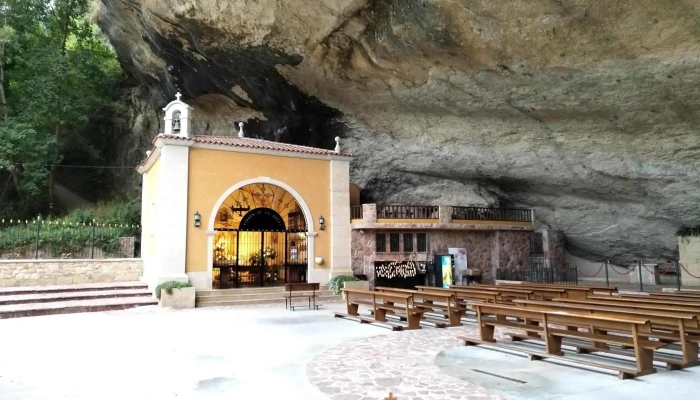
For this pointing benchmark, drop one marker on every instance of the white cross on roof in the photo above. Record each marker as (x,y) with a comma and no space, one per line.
(178,95)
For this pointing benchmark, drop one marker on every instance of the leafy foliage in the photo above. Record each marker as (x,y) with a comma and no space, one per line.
(169,286)
(335,284)
(101,226)
(60,81)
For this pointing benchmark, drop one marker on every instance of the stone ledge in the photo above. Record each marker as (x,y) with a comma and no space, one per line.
(69,260)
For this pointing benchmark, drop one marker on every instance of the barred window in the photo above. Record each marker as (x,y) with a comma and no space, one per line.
(394,242)
(422,242)
(407,242)
(381,243)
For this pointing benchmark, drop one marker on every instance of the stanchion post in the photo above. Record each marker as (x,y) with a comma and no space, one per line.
(607,277)
(678,275)
(639,269)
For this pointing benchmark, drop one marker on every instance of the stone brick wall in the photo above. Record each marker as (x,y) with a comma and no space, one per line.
(486,250)
(65,272)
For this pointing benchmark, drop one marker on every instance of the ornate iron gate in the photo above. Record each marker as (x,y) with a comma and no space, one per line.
(261,252)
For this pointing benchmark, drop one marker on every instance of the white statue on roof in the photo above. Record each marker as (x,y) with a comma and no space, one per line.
(177,117)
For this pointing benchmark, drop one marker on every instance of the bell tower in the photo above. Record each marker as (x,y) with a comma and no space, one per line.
(177,117)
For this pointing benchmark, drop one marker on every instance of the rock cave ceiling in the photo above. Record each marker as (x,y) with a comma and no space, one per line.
(586,111)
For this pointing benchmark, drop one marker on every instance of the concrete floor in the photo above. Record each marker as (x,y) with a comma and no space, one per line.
(262,353)
(512,376)
(150,353)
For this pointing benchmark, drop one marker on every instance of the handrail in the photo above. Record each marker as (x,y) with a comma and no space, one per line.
(491,214)
(407,212)
(355,212)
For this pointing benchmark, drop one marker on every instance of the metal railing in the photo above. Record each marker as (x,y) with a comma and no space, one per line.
(491,214)
(538,274)
(407,212)
(355,212)
(49,239)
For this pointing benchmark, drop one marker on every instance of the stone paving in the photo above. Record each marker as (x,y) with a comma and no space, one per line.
(401,363)
(266,352)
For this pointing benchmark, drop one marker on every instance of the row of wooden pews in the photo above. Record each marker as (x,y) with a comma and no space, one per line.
(601,322)
(438,307)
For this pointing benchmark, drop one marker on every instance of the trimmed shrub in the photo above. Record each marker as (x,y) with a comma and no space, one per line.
(169,286)
(336,283)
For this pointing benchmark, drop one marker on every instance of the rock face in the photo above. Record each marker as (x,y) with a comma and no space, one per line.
(586,111)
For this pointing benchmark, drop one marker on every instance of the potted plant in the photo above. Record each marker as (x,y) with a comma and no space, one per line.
(337,283)
(175,294)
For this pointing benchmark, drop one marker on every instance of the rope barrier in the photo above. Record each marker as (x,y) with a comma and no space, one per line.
(688,272)
(665,270)
(623,273)
(591,276)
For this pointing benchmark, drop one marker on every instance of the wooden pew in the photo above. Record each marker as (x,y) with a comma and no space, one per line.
(643,349)
(645,300)
(541,292)
(380,304)
(463,296)
(666,326)
(591,288)
(635,305)
(672,296)
(443,303)
(504,294)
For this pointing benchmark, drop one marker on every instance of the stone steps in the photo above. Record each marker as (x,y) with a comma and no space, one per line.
(63,299)
(227,303)
(233,297)
(75,306)
(68,296)
(72,288)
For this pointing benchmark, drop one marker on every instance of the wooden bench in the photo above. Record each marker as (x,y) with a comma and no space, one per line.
(664,297)
(644,300)
(463,296)
(503,294)
(380,304)
(590,288)
(540,292)
(443,303)
(293,291)
(599,327)
(668,327)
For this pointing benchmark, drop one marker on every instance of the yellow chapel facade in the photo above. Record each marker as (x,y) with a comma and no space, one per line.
(233,212)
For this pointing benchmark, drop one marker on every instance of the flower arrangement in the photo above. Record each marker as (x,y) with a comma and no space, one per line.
(265,254)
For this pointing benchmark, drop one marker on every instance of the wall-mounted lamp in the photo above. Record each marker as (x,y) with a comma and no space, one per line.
(322,222)
(197,220)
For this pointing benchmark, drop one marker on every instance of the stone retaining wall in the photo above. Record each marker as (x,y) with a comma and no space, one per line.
(66,272)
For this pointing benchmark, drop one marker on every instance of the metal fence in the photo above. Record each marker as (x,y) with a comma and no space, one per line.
(407,212)
(355,212)
(539,274)
(491,214)
(50,239)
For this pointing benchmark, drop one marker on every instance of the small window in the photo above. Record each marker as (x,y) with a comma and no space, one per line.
(381,243)
(408,242)
(394,242)
(422,242)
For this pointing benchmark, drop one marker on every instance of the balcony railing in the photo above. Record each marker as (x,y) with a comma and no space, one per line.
(355,212)
(491,214)
(407,212)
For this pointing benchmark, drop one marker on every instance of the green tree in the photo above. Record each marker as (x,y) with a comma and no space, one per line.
(60,82)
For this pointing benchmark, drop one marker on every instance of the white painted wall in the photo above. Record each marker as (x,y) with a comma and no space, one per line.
(339,223)
(171,224)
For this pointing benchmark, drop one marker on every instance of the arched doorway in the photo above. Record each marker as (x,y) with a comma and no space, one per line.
(259,239)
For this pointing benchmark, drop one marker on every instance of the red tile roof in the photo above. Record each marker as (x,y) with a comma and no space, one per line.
(251,143)
(261,144)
